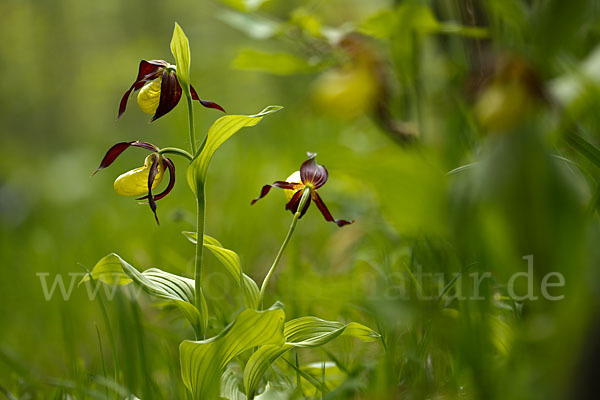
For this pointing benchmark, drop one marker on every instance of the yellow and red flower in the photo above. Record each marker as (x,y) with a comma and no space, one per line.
(159,89)
(312,175)
(142,180)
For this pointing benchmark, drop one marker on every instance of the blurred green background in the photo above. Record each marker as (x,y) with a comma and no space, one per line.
(509,89)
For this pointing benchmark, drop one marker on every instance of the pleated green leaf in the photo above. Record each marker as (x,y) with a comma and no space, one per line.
(231,262)
(203,362)
(229,386)
(180,47)
(299,333)
(113,270)
(219,132)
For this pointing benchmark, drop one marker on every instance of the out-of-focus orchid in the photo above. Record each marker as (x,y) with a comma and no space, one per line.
(159,89)
(312,175)
(142,180)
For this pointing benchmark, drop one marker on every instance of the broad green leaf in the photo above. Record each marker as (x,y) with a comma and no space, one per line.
(203,362)
(113,270)
(300,333)
(219,132)
(273,63)
(231,262)
(109,271)
(180,47)
(313,331)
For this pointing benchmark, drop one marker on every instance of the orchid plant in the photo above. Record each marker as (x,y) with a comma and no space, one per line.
(261,335)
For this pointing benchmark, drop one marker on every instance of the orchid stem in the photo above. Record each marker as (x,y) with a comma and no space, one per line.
(297,214)
(199,246)
(201,207)
(175,150)
(190,105)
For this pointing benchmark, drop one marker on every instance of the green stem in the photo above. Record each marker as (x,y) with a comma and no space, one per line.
(201,206)
(303,200)
(175,150)
(190,105)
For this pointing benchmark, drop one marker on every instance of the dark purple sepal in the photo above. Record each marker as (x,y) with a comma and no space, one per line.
(211,104)
(205,103)
(293,204)
(323,208)
(116,150)
(312,172)
(148,71)
(167,164)
(170,94)
(278,184)
(151,176)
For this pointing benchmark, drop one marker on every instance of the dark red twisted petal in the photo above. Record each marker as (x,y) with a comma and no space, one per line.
(211,104)
(323,208)
(278,184)
(293,204)
(205,103)
(170,94)
(148,70)
(144,145)
(151,177)
(167,164)
(116,150)
(313,173)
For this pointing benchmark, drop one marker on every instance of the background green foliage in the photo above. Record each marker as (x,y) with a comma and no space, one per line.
(67,63)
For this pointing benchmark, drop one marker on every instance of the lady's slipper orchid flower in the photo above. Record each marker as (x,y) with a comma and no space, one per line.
(160,90)
(142,180)
(312,176)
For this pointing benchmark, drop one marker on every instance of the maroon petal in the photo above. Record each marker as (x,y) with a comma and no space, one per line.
(293,204)
(323,208)
(148,70)
(205,103)
(313,173)
(151,177)
(167,163)
(278,184)
(170,93)
(145,145)
(116,150)
(211,104)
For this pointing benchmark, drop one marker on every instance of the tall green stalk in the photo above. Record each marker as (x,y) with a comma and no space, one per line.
(190,107)
(303,200)
(200,210)
(201,207)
